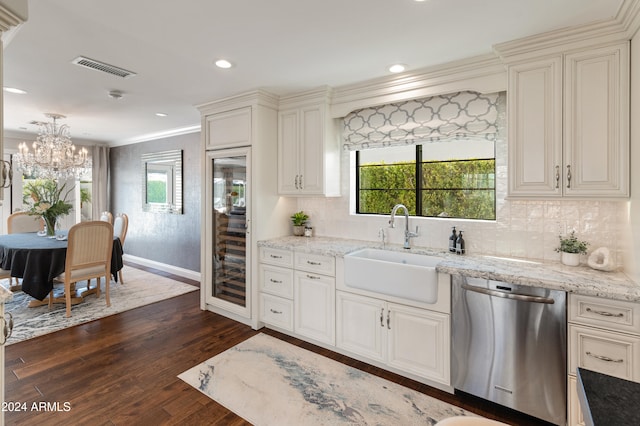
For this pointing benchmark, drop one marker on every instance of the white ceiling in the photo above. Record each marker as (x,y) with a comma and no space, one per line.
(283,46)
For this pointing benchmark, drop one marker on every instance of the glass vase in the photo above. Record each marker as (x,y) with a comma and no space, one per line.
(50,223)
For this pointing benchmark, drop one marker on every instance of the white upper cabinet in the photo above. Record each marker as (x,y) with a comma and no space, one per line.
(568,119)
(308,146)
(228,129)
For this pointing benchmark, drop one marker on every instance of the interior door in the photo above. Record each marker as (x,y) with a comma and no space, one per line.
(228,268)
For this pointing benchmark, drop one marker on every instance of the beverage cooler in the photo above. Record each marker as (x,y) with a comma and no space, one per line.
(227,229)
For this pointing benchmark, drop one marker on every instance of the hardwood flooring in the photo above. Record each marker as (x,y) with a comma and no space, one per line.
(121,370)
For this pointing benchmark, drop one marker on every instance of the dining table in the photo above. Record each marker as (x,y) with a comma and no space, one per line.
(38,259)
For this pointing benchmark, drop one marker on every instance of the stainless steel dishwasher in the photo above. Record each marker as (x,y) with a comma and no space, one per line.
(510,345)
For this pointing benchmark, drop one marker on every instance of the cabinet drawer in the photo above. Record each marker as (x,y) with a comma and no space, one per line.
(607,352)
(276,257)
(612,314)
(276,311)
(325,265)
(276,280)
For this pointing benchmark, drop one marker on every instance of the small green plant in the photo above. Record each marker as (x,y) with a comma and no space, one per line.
(299,218)
(571,244)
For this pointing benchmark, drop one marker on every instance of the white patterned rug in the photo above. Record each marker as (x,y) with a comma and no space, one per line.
(270,382)
(140,288)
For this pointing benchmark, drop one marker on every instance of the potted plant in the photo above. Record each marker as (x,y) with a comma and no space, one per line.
(299,219)
(571,248)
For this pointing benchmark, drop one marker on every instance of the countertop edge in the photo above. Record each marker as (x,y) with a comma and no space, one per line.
(552,275)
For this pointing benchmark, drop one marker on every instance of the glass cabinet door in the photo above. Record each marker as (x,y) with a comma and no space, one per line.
(229,228)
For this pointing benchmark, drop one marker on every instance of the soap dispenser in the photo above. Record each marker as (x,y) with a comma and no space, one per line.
(452,240)
(460,244)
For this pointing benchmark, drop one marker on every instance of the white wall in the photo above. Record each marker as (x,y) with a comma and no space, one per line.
(522,229)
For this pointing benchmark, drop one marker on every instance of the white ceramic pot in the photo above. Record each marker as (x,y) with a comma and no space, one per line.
(570,259)
(298,230)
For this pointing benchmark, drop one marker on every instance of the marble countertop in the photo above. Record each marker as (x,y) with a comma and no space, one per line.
(5,295)
(607,400)
(552,275)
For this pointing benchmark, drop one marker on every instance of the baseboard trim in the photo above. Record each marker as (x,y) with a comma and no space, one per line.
(182,272)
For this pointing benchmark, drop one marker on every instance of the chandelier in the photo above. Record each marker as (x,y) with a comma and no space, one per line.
(54,156)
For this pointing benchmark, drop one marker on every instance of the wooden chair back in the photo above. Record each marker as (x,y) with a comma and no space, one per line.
(23,222)
(88,256)
(106,217)
(120,226)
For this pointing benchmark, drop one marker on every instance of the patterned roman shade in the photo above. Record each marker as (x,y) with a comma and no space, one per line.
(461,115)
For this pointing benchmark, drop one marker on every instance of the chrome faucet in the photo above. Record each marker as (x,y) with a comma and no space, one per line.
(407,234)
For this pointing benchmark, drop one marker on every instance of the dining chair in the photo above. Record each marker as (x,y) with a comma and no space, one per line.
(106,217)
(120,227)
(88,256)
(16,223)
(24,222)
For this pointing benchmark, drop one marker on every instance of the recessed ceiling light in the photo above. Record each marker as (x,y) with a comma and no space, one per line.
(397,68)
(223,63)
(14,90)
(162,114)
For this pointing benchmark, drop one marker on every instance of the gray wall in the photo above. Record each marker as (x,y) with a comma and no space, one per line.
(166,238)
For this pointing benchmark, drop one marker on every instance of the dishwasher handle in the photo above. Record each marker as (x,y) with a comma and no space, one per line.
(514,296)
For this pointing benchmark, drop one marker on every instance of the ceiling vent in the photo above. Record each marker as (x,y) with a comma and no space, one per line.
(101,66)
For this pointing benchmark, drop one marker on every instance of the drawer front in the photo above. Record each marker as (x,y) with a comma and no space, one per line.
(276,280)
(276,311)
(276,257)
(612,314)
(325,265)
(607,352)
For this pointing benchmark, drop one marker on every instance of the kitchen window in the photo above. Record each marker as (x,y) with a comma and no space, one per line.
(429,180)
(435,155)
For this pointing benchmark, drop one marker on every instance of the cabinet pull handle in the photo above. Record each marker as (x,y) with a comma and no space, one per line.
(557,177)
(605,313)
(301,185)
(568,176)
(314,263)
(382,317)
(604,358)
(311,277)
(273,256)
(275,281)
(297,187)
(389,320)
(274,311)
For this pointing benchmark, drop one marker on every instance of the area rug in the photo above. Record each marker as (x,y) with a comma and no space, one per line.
(270,382)
(140,288)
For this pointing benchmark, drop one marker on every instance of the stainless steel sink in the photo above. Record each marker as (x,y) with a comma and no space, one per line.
(400,274)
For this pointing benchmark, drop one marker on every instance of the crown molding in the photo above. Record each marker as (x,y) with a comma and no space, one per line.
(160,135)
(483,74)
(254,98)
(12,13)
(602,32)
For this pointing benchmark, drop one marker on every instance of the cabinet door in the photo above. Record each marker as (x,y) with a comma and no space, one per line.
(596,122)
(288,152)
(419,342)
(314,306)
(229,129)
(312,150)
(361,326)
(535,128)
(574,411)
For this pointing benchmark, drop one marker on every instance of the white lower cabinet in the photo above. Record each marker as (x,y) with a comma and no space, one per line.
(406,338)
(314,306)
(604,336)
(297,293)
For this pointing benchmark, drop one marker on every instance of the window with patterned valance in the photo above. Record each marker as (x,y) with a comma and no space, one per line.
(462,115)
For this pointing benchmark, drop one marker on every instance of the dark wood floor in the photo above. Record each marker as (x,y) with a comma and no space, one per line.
(121,370)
